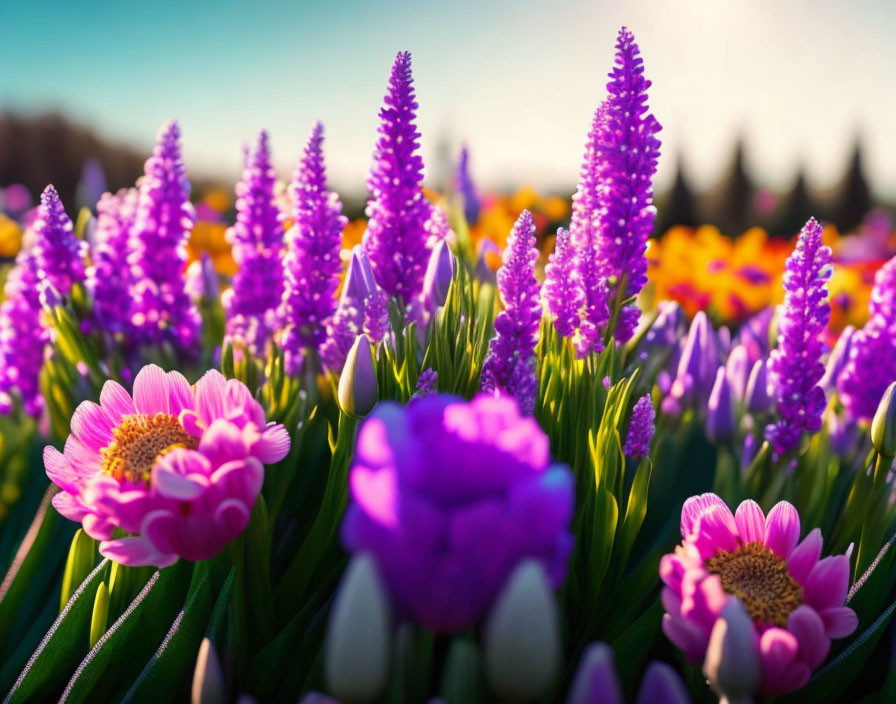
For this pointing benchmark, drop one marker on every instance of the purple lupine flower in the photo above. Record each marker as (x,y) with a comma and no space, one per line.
(437,227)
(109,277)
(795,367)
(562,287)
(342,329)
(376,316)
(629,151)
(640,429)
(256,238)
(464,186)
(22,338)
(426,383)
(312,262)
(510,365)
(58,254)
(161,308)
(430,479)
(883,294)
(585,236)
(396,236)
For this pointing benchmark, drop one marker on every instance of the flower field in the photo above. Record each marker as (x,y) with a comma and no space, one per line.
(468,448)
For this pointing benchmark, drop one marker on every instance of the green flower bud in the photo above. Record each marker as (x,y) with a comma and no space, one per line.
(522,636)
(357,384)
(356,656)
(883,427)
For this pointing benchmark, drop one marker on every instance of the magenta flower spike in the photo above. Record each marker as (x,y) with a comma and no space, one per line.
(257,240)
(23,338)
(628,150)
(396,230)
(161,309)
(430,479)
(795,367)
(109,277)
(794,599)
(510,365)
(58,254)
(312,262)
(562,290)
(175,466)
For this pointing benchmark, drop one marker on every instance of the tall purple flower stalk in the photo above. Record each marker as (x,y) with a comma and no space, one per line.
(510,365)
(312,261)
(585,236)
(562,287)
(58,254)
(463,184)
(109,278)
(161,309)
(871,365)
(640,429)
(795,367)
(396,235)
(257,238)
(22,338)
(628,150)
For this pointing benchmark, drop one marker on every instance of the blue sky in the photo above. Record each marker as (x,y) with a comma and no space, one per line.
(517,80)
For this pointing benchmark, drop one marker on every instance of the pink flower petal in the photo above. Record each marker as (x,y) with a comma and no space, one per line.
(715,530)
(209,393)
(191,423)
(175,486)
(160,529)
(694,507)
(688,637)
(97,527)
(702,600)
(180,393)
(778,649)
(839,621)
(805,556)
(135,552)
(116,401)
(69,506)
(223,442)
(376,492)
(273,445)
(92,426)
(232,517)
(827,583)
(808,628)
(59,470)
(782,529)
(240,479)
(750,522)
(151,390)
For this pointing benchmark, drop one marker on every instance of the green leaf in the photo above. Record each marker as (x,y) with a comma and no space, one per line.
(462,678)
(100,614)
(62,647)
(80,562)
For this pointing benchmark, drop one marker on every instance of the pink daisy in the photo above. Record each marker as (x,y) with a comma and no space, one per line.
(178,467)
(795,599)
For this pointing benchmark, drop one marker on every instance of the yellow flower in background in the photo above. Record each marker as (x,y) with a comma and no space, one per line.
(210,237)
(10,237)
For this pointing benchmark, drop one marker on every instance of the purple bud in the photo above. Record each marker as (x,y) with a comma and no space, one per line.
(844,434)
(662,685)
(837,359)
(596,681)
(733,665)
(738,370)
(757,400)
(357,383)
(696,367)
(749,451)
(439,273)
(465,187)
(720,422)
(359,280)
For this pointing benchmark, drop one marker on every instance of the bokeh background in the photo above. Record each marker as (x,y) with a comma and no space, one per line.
(768,107)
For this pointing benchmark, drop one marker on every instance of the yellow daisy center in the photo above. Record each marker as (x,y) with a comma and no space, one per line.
(138,441)
(759,578)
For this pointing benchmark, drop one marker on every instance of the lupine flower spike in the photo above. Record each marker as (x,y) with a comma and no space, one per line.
(312,261)
(256,239)
(463,184)
(161,309)
(562,287)
(795,368)
(510,365)
(396,230)
(109,278)
(58,254)
(640,429)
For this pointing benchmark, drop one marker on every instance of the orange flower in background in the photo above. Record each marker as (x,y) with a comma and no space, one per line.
(10,237)
(210,237)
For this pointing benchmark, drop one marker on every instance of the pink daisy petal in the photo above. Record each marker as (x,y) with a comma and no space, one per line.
(136,552)
(191,423)
(689,639)
(69,506)
(97,527)
(839,621)
(232,517)
(175,486)
(209,392)
(160,529)
(694,507)
(222,442)
(273,445)
(750,522)
(782,529)
(151,390)
(778,649)
(59,470)
(116,401)
(805,556)
(92,425)
(715,530)
(702,601)
(180,393)
(809,630)
(242,479)
(84,460)
(827,583)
